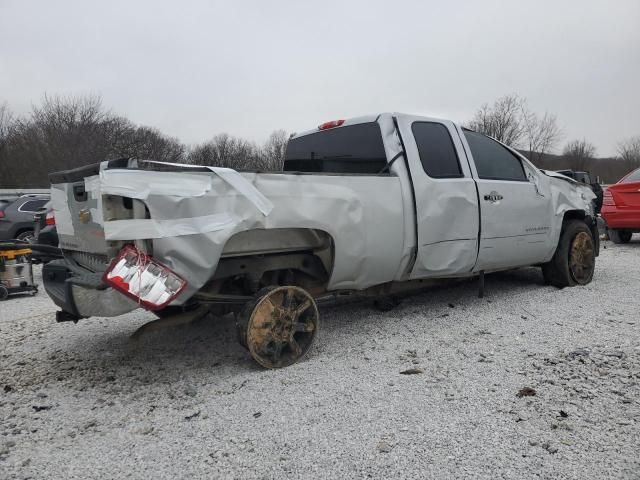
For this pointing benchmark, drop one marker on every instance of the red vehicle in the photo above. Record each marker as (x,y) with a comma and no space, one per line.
(621,207)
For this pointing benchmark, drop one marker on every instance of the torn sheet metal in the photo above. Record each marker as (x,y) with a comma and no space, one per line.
(241,184)
(140,184)
(237,181)
(189,230)
(151,228)
(348,208)
(64,222)
(92,187)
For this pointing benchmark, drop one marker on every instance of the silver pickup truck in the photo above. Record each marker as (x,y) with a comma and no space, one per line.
(377,205)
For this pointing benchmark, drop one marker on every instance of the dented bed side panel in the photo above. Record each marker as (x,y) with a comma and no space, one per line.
(363,216)
(193,215)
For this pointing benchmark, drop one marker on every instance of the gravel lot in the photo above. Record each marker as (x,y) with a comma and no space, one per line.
(86,401)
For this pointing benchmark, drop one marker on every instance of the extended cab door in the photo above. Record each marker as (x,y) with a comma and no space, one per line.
(446,198)
(515,206)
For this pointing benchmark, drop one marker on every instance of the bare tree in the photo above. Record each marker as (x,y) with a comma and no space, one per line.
(6,121)
(502,121)
(579,154)
(6,124)
(273,151)
(541,134)
(629,151)
(143,142)
(224,150)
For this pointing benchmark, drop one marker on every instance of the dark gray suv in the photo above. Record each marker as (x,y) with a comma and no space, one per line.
(16,216)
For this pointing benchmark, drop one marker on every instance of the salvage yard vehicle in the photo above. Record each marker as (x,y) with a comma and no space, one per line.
(621,208)
(16,216)
(376,205)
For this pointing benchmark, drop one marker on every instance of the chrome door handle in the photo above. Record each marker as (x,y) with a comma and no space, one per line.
(493,197)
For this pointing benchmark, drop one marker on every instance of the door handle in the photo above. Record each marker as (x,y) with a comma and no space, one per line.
(493,197)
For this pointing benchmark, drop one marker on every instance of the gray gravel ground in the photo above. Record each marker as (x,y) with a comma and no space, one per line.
(85,401)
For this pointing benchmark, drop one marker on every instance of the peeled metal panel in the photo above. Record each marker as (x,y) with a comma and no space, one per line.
(142,183)
(64,222)
(149,228)
(362,214)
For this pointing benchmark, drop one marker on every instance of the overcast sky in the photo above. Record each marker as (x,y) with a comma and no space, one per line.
(197,68)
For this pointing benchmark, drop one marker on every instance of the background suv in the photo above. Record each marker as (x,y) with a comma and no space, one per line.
(16,216)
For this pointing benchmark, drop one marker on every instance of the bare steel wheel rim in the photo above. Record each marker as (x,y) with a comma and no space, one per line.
(581,258)
(282,327)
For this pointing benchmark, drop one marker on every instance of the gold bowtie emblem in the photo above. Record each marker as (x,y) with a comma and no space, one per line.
(84,215)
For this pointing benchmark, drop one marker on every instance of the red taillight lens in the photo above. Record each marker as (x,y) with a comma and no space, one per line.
(331,124)
(607,199)
(140,277)
(1,214)
(50,219)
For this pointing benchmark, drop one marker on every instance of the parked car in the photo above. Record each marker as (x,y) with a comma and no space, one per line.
(621,207)
(16,217)
(376,205)
(45,233)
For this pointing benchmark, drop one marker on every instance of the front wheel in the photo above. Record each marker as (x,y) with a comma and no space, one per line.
(620,236)
(575,260)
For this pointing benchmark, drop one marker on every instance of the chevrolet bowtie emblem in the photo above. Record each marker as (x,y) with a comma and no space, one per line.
(84,215)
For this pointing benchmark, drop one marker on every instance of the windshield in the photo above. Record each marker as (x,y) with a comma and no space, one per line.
(351,149)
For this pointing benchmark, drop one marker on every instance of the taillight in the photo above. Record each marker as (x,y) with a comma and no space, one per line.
(607,199)
(1,214)
(50,219)
(140,277)
(331,124)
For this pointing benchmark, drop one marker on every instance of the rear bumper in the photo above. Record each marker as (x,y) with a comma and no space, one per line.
(82,295)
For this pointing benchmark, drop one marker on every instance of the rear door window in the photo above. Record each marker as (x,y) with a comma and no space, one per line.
(437,152)
(350,149)
(493,161)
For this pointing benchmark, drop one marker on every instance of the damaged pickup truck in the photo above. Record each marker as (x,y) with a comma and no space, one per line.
(377,205)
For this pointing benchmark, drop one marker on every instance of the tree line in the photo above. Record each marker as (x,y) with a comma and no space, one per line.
(68,132)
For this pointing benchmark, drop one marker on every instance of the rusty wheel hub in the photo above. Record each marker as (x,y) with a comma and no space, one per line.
(280,326)
(581,258)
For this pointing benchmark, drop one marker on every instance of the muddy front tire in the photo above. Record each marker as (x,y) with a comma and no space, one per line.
(574,260)
(279,325)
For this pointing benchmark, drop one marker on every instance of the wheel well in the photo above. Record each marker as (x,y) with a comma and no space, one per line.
(255,259)
(573,215)
(22,230)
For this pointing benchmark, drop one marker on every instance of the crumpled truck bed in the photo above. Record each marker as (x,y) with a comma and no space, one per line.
(193,214)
